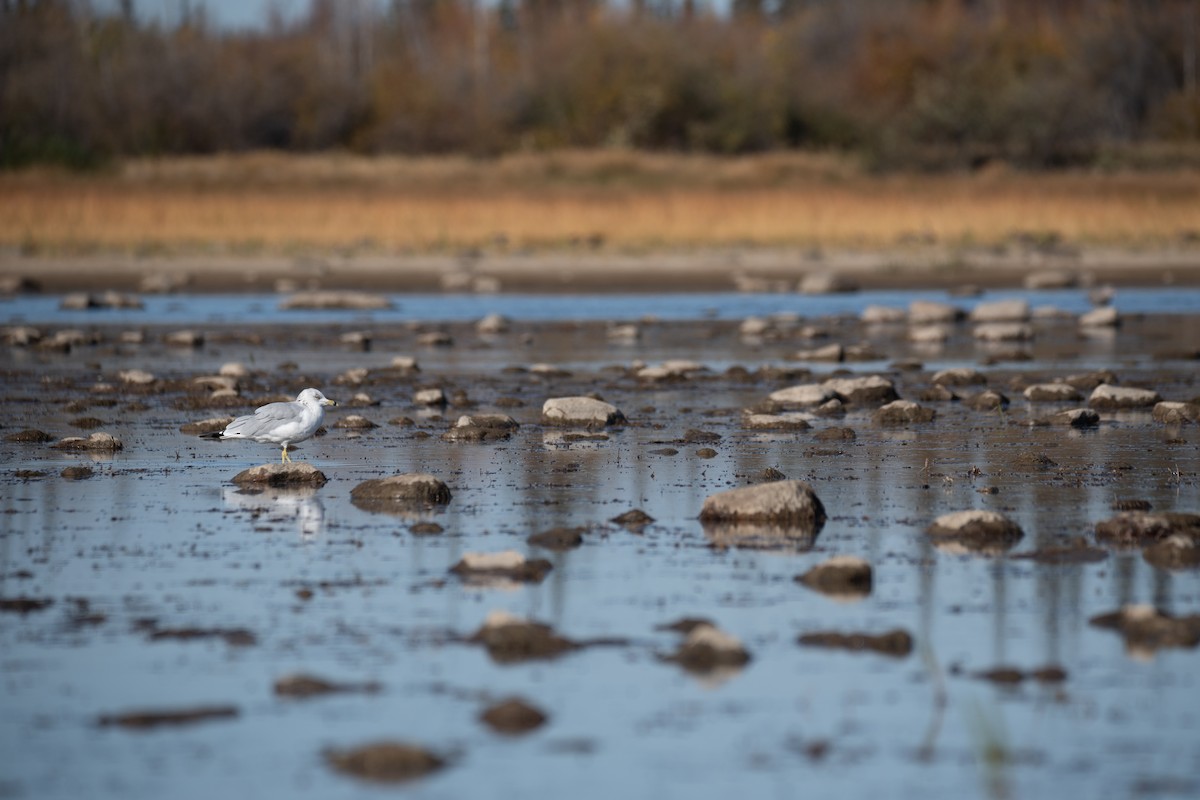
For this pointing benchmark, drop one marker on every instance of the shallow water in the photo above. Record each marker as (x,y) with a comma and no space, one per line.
(161,533)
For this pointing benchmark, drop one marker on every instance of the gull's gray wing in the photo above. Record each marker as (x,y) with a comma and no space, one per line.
(264,419)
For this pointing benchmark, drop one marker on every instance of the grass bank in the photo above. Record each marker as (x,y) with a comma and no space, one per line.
(619,202)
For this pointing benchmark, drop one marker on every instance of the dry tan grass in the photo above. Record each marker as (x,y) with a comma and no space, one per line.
(623,201)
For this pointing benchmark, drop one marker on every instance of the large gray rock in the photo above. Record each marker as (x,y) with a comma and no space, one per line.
(1106,397)
(791,502)
(580,411)
(1174,552)
(1176,413)
(499,570)
(903,412)
(793,421)
(296,473)
(481,428)
(400,493)
(707,648)
(840,577)
(385,762)
(802,396)
(777,515)
(1130,528)
(975,530)
(959,376)
(1146,629)
(510,639)
(1052,393)
(866,390)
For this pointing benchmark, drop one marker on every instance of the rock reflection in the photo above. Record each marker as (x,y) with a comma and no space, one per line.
(300,506)
(760,536)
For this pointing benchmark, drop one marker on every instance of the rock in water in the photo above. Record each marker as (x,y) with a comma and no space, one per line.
(1130,528)
(791,502)
(500,569)
(1145,628)
(840,577)
(510,639)
(513,717)
(976,530)
(709,648)
(1116,398)
(779,514)
(580,411)
(897,643)
(400,493)
(296,473)
(903,412)
(386,762)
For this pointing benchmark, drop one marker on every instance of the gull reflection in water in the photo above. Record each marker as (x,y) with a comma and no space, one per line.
(298,505)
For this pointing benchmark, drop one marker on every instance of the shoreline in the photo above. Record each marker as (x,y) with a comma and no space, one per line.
(566,272)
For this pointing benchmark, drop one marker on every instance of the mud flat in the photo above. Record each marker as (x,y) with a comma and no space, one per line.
(519,630)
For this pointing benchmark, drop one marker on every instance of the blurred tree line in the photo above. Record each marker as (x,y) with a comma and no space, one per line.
(924,83)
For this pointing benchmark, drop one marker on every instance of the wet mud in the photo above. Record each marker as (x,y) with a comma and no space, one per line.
(676,535)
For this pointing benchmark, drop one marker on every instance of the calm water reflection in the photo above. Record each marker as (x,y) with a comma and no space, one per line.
(160,533)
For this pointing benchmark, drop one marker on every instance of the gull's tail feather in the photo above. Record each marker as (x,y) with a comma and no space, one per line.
(214,435)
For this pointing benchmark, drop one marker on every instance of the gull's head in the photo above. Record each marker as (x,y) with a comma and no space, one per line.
(313,397)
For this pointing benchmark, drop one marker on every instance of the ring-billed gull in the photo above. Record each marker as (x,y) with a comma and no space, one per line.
(281,423)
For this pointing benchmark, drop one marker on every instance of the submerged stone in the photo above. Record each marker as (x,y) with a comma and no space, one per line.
(1052,393)
(29,436)
(558,539)
(804,395)
(1130,528)
(840,577)
(385,762)
(959,376)
(1176,413)
(707,648)
(510,639)
(499,569)
(400,493)
(903,412)
(785,502)
(160,718)
(865,390)
(580,411)
(1146,628)
(633,520)
(302,686)
(513,717)
(776,422)
(896,643)
(1176,551)
(296,473)
(976,530)
(1116,398)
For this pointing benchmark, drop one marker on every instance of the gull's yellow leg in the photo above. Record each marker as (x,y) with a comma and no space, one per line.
(284,457)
